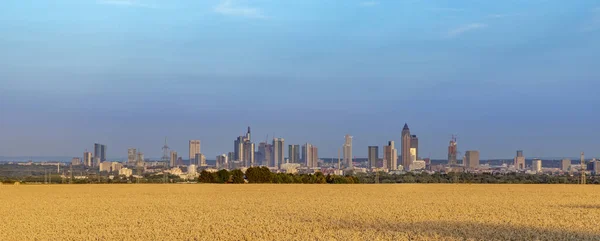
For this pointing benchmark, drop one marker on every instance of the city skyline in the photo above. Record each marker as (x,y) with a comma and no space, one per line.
(126,75)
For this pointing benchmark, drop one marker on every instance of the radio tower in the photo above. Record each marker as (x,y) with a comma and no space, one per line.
(165,160)
(583,168)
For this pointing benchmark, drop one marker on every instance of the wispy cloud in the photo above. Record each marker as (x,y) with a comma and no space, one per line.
(593,24)
(369,3)
(228,7)
(127,3)
(465,28)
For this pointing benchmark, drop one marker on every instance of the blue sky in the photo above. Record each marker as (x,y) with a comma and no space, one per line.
(502,75)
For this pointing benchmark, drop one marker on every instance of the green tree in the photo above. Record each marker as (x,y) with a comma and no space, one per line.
(207,177)
(237,176)
(223,176)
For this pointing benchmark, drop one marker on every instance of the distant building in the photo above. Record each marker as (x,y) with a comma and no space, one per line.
(413,154)
(519,160)
(452,151)
(390,156)
(105,166)
(471,159)
(417,165)
(100,151)
(373,156)
(310,155)
(87,159)
(248,154)
(173,159)
(125,172)
(414,143)
(140,162)
(200,159)
(536,165)
(116,166)
(194,148)
(405,147)
(294,154)
(76,161)
(222,161)
(347,151)
(565,164)
(278,153)
(131,155)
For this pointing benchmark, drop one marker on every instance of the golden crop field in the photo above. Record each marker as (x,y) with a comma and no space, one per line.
(300,212)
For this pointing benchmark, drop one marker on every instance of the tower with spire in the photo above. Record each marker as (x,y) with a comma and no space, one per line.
(405,150)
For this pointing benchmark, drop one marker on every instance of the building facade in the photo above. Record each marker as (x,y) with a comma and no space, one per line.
(390,156)
(373,156)
(471,159)
(100,151)
(278,152)
(414,143)
(294,154)
(536,165)
(131,155)
(519,160)
(347,148)
(405,150)
(173,159)
(565,164)
(194,148)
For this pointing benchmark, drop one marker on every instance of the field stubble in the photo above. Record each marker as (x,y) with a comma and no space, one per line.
(300,212)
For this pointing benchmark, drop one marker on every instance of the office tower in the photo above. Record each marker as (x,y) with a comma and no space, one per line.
(268,155)
(294,154)
(76,161)
(179,161)
(131,155)
(248,154)
(278,154)
(348,151)
(222,161)
(140,159)
(248,134)
(406,159)
(87,159)
(194,149)
(565,164)
(414,143)
(536,165)
(390,156)
(200,160)
(519,160)
(310,155)
(100,151)
(452,150)
(173,159)
(238,148)
(471,159)
(373,156)
(582,178)
(96,161)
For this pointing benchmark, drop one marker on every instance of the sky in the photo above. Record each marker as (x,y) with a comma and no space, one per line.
(501,75)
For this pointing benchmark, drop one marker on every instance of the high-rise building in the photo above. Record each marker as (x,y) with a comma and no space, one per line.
(131,155)
(194,149)
(278,153)
(140,162)
(200,159)
(100,151)
(536,165)
(414,143)
(105,166)
(248,154)
(373,156)
(87,159)
(471,159)
(452,151)
(268,155)
(310,155)
(348,151)
(294,154)
(519,160)
(222,161)
(565,164)
(406,159)
(173,159)
(390,156)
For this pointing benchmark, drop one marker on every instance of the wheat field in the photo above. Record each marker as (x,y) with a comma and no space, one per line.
(300,212)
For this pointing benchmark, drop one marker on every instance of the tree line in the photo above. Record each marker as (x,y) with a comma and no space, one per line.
(264,175)
(462,177)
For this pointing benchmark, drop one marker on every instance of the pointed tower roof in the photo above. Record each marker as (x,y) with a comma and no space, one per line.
(405,127)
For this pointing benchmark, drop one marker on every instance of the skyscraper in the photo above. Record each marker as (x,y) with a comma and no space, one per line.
(88,159)
(200,159)
(519,160)
(278,153)
(194,149)
(294,154)
(414,143)
(131,155)
(348,151)
(100,152)
(222,161)
(373,156)
(452,151)
(390,156)
(471,159)
(140,160)
(268,155)
(565,164)
(406,159)
(310,155)
(173,159)
(248,154)
(536,165)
